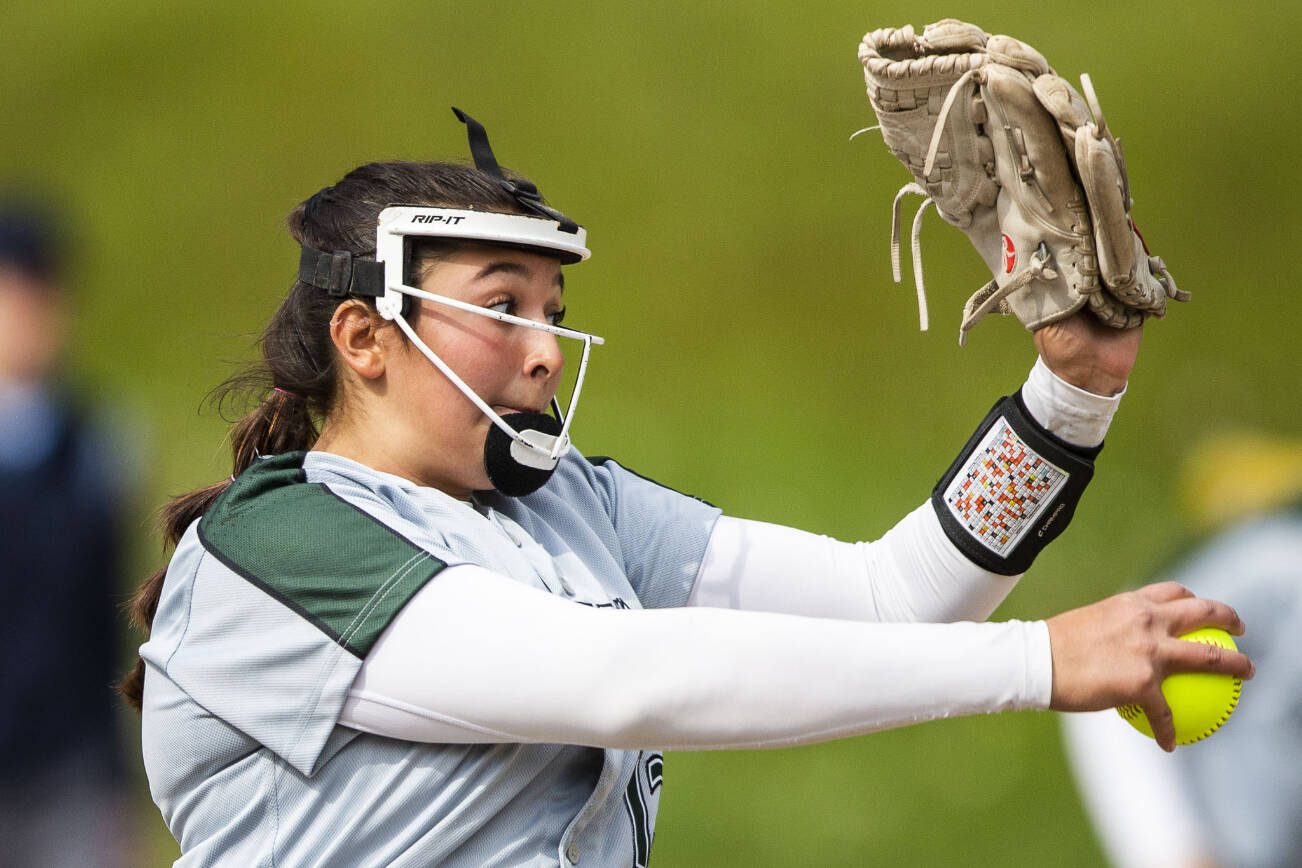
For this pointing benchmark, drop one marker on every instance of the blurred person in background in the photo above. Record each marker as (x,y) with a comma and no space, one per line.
(1236,798)
(61,497)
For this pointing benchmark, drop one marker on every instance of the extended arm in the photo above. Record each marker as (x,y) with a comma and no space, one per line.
(476,657)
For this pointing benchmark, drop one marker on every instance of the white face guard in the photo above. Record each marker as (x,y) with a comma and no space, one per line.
(530,447)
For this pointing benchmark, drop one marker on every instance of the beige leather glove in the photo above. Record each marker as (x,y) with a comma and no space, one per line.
(1010,153)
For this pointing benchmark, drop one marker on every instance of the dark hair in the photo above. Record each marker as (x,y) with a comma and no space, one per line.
(295,385)
(33,235)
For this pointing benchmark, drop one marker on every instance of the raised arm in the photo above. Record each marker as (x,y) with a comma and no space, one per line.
(915,572)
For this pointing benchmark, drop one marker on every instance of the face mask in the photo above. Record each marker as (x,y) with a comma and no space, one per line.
(522,449)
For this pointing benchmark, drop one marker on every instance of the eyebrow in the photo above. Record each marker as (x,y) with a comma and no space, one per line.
(508,266)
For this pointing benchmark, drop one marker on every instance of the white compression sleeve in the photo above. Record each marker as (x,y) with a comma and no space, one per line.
(913,573)
(476,657)
(1081,418)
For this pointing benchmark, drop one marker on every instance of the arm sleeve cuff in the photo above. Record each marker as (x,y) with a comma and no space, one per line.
(1039,665)
(1070,413)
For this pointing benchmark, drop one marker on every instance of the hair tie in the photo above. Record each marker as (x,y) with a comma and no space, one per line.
(285,395)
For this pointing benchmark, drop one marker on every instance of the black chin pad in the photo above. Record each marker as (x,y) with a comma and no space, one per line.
(509,476)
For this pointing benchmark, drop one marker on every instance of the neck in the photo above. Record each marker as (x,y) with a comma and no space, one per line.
(383,453)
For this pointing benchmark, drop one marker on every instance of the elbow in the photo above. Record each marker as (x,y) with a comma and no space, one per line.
(633,707)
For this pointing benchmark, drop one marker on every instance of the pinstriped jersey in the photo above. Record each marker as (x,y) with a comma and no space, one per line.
(271,603)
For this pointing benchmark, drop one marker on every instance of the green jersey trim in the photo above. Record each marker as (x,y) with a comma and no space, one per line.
(339,568)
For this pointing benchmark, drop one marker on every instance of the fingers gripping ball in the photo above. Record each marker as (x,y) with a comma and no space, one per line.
(1200,702)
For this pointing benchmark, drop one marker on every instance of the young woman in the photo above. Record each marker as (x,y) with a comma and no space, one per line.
(428,631)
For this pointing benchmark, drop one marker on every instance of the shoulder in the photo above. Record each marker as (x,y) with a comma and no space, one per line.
(273,513)
(608,479)
(635,506)
(316,549)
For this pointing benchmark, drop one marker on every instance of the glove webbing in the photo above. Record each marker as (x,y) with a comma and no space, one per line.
(985,299)
(916,235)
(939,130)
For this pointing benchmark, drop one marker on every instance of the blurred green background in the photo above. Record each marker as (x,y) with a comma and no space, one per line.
(758,353)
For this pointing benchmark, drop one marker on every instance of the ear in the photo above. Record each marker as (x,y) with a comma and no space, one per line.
(362,339)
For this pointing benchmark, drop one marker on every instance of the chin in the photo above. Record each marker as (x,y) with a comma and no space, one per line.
(457,479)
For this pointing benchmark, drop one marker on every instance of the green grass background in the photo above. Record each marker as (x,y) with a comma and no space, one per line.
(757,354)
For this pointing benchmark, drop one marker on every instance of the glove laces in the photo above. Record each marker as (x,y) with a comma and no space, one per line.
(988,297)
(981,302)
(938,131)
(915,238)
(915,189)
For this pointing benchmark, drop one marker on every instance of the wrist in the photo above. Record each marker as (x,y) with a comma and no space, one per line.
(1012,490)
(1076,415)
(1089,378)
(1089,355)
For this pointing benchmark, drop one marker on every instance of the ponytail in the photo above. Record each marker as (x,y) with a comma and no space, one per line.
(281,422)
(295,386)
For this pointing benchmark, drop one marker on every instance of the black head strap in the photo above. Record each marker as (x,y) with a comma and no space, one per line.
(524,191)
(341,274)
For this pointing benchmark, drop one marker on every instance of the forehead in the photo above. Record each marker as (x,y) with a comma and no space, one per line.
(484,262)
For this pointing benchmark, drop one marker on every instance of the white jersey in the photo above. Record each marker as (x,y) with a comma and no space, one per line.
(258,735)
(272,601)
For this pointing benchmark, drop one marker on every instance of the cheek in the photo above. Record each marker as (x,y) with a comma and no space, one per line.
(477,356)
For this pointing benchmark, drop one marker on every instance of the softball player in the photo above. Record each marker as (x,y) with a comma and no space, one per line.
(429,631)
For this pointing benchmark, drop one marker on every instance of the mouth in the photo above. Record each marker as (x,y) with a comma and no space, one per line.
(503,410)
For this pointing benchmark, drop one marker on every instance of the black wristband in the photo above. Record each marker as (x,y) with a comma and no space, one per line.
(1012,490)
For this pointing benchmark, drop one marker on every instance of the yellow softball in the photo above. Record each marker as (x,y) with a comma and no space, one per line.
(1200,701)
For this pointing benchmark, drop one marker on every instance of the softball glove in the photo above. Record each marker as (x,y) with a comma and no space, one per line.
(1012,154)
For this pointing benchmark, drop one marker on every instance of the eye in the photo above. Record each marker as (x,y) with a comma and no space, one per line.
(502,305)
(556,318)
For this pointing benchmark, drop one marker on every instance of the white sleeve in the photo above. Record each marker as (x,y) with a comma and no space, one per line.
(913,573)
(475,657)
(1070,413)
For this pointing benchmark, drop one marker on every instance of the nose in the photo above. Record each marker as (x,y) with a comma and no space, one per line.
(543,357)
